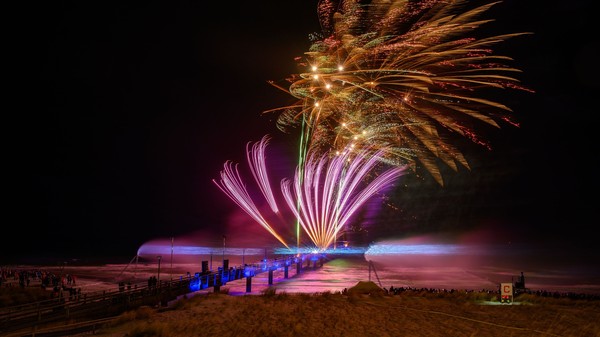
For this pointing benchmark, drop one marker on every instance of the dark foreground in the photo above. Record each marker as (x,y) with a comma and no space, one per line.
(364,310)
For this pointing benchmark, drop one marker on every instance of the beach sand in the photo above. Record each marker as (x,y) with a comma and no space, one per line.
(360,314)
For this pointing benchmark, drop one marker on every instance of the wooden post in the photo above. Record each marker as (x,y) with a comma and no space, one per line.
(249,284)
(217,287)
(172,239)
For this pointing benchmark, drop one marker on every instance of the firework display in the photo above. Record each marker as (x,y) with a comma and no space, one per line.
(323,195)
(328,191)
(385,86)
(404,77)
(232,184)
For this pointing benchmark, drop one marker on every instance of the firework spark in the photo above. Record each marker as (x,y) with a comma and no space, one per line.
(233,186)
(400,76)
(386,82)
(329,191)
(256,159)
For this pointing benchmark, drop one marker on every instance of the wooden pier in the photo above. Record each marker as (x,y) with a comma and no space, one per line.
(207,279)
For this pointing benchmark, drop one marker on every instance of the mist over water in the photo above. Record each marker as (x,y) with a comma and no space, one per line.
(475,262)
(467,262)
(470,262)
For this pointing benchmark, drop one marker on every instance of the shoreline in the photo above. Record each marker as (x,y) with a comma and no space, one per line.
(335,275)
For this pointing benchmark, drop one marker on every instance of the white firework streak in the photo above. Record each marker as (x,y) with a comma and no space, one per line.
(232,185)
(256,160)
(326,204)
(328,190)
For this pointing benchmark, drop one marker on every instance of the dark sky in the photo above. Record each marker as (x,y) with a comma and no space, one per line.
(122,114)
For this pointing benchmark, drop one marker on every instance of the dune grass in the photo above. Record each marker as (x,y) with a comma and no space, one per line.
(364,310)
(12,296)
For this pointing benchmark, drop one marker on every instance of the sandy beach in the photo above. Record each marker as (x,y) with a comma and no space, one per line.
(360,314)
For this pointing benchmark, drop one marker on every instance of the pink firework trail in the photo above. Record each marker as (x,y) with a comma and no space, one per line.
(323,195)
(256,159)
(330,190)
(232,185)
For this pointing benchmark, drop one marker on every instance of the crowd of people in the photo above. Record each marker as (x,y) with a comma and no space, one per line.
(59,284)
(543,293)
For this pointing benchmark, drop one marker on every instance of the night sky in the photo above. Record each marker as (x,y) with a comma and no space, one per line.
(119,115)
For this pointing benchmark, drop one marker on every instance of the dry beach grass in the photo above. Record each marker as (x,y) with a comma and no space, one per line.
(363,311)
